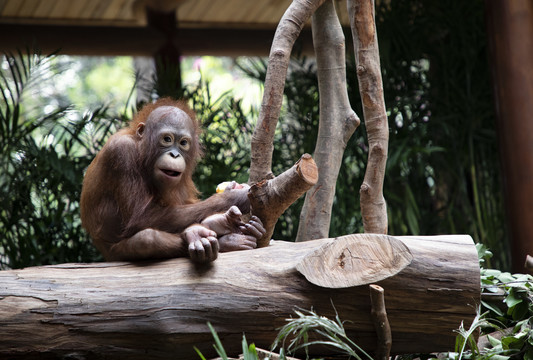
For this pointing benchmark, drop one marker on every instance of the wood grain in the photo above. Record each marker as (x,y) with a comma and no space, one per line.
(355,260)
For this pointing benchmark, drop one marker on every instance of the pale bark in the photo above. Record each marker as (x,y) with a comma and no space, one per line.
(270,198)
(286,34)
(373,206)
(529,262)
(159,310)
(337,122)
(381,322)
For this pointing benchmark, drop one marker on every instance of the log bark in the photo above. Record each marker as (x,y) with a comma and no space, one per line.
(363,25)
(159,310)
(288,30)
(337,122)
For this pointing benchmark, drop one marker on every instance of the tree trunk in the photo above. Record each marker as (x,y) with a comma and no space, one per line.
(159,310)
(373,206)
(287,32)
(337,122)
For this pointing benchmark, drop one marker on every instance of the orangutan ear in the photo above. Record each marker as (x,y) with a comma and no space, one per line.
(140,130)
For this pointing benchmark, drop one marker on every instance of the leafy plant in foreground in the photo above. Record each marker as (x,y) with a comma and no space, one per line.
(330,333)
(42,159)
(248,351)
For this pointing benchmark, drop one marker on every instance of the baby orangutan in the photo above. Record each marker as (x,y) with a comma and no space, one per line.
(139,201)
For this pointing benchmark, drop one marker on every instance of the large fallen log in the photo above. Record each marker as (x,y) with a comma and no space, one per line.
(159,310)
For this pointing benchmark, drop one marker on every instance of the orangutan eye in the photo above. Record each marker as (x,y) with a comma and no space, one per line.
(185,144)
(167,140)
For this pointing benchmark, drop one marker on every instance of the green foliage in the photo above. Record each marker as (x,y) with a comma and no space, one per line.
(97,80)
(218,344)
(297,128)
(44,152)
(515,289)
(513,315)
(299,331)
(167,82)
(42,157)
(226,138)
(248,351)
(466,337)
(328,332)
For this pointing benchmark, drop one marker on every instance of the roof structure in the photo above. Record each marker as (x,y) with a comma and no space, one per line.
(122,27)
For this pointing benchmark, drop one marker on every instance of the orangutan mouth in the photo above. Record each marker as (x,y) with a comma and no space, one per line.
(171,173)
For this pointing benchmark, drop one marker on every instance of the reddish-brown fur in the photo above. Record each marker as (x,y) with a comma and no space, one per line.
(128,215)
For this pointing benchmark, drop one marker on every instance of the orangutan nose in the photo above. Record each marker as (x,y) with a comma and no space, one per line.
(174,153)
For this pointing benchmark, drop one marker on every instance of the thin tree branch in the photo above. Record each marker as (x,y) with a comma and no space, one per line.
(373,206)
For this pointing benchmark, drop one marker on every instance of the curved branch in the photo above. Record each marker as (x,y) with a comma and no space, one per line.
(286,34)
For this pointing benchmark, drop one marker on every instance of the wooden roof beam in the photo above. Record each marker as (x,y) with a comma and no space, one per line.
(142,41)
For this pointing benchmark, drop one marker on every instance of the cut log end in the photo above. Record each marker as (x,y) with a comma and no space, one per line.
(355,260)
(307,169)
